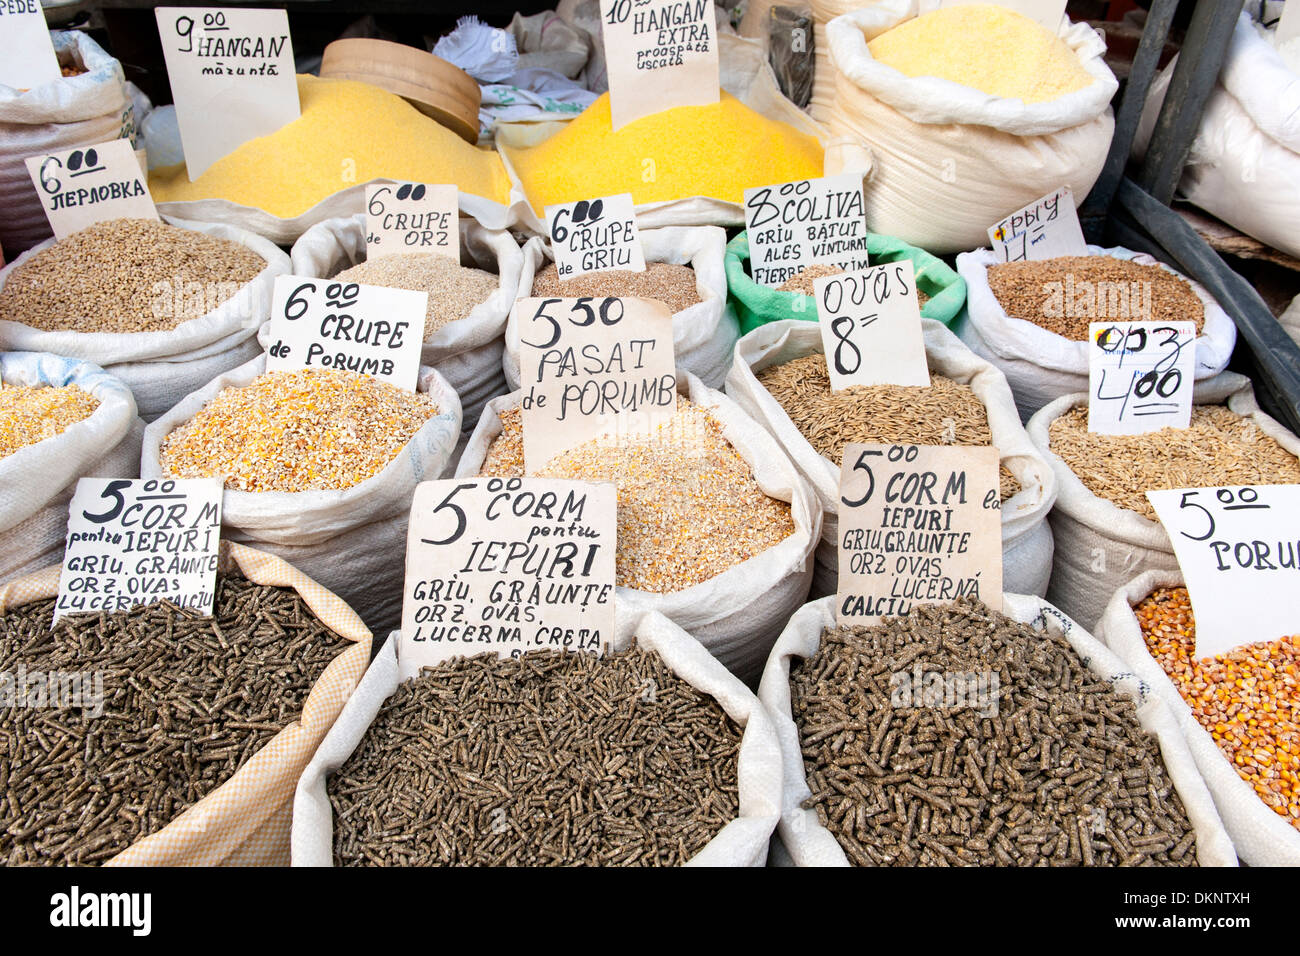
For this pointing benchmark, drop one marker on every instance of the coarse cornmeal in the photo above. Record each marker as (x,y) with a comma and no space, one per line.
(986,47)
(348,133)
(30,414)
(718,150)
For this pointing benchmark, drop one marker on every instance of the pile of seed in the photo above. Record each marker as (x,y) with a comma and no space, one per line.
(32,414)
(551,759)
(1062,774)
(803,281)
(671,284)
(108,277)
(944,413)
(454,290)
(187,700)
(1040,292)
(304,430)
(1248,699)
(688,505)
(1219,448)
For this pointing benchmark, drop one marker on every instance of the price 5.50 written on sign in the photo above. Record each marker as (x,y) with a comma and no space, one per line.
(871,327)
(1140,376)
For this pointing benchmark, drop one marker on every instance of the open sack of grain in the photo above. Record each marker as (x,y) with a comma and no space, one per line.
(468,304)
(319,467)
(164,306)
(739,522)
(1244,164)
(683,270)
(960,138)
(1237,711)
(779,378)
(1030,319)
(60,420)
(959,736)
(1106,531)
(85,109)
(696,780)
(350,134)
(941,291)
(213,719)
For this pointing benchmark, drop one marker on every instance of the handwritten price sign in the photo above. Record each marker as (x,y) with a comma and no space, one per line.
(1140,376)
(871,327)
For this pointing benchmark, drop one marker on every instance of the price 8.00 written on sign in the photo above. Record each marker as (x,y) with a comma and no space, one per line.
(1239,551)
(507,565)
(808,222)
(80,187)
(412,217)
(918,524)
(871,327)
(595,235)
(232,77)
(346,326)
(1045,229)
(1140,376)
(27,57)
(659,54)
(592,368)
(136,541)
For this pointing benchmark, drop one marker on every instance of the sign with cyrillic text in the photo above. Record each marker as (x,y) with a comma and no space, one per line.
(1045,229)
(1140,376)
(80,187)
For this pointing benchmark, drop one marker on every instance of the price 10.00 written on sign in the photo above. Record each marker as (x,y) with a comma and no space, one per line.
(871,327)
(1140,376)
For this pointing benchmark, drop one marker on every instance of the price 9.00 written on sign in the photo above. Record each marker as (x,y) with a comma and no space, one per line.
(1140,376)
(871,327)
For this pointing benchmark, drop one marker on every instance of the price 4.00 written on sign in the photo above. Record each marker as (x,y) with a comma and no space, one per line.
(1140,376)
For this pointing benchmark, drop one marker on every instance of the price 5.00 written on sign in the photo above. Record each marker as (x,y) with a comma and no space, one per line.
(871,327)
(1140,376)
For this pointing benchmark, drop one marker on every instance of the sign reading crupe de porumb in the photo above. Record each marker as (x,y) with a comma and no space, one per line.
(507,566)
(232,77)
(918,524)
(80,187)
(412,217)
(136,541)
(791,226)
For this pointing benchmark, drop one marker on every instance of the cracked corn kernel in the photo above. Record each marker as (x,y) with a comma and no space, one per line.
(688,505)
(304,430)
(1247,699)
(32,414)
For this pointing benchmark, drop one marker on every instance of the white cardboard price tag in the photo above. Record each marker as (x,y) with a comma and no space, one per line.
(507,566)
(1237,548)
(592,368)
(1045,229)
(136,541)
(232,77)
(871,327)
(1288,27)
(595,235)
(1140,376)
(346,326)
(919,524)
(660,54)
(1046,13)
(412,217)
(809,222)
(27,57)
(80,187)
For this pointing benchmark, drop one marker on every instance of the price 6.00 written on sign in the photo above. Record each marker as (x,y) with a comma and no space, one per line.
(1140,376)
(412,217)
(80,187)
(871,327)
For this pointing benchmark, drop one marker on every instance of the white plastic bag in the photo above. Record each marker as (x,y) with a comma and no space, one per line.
(162,367)
(1040,365)
(950,160)
(703,334)
(1100,547)
(1244,164)
(737,614)
(742,842)
(71,111)
(1260,836)
(352,542)
(1026,537)
(467,352)
(36,482)
(808,843)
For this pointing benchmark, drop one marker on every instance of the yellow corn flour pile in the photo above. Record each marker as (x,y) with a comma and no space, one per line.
(717,150)
(986,47)
(348,133)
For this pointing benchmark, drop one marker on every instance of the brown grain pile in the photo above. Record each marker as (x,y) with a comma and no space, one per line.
(1064,294)
(945,413)
(671,284)
(1219,448)
(454,290)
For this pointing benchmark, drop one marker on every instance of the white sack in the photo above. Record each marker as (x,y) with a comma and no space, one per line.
(808,843)
(703,334)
